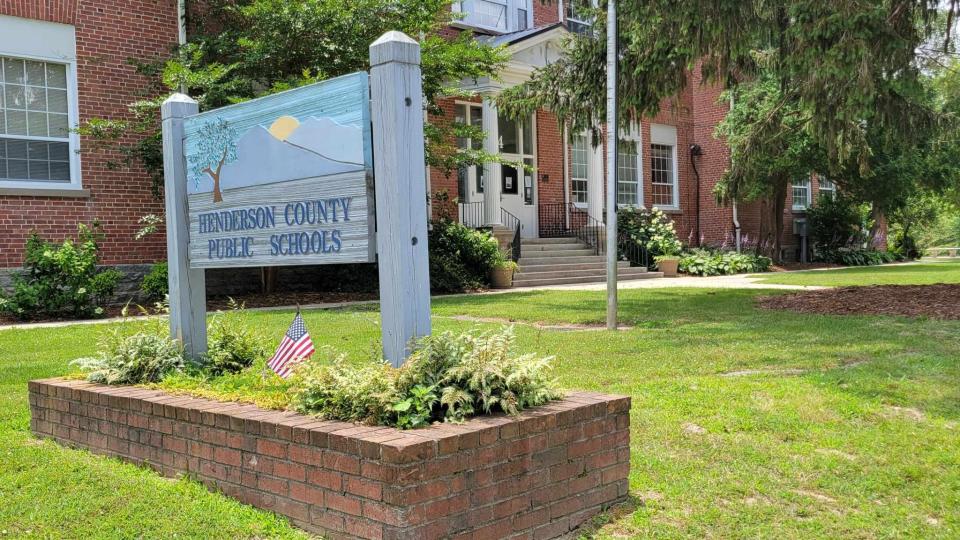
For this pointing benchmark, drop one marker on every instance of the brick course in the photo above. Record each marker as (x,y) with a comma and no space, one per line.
(538,475)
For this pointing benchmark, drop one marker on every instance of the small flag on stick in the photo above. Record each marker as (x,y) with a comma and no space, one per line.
(295,347)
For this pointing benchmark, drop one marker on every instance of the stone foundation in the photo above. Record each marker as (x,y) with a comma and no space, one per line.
(538,475)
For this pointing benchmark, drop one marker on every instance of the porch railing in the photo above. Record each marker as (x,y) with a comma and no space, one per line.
(566,220)
(629,250)
(471,215)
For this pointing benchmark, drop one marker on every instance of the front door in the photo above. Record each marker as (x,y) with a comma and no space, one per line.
(519,189)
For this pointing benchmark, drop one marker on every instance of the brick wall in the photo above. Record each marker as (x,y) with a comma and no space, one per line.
(538,475)
(108,33)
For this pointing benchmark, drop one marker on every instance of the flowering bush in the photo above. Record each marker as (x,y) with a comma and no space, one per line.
(652,230)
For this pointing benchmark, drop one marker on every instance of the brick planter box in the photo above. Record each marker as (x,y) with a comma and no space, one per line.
(538,475)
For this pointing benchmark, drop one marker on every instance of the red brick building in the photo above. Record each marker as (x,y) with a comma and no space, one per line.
(66,61)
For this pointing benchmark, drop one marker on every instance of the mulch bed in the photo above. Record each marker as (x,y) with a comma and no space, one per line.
(792,266)
(931,301)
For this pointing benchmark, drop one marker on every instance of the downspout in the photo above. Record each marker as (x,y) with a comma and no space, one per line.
(696,151)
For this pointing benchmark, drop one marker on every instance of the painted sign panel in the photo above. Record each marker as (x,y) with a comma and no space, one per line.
(284,179)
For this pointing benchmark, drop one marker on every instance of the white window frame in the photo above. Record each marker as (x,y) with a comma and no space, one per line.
(807,186)
(565,13)
(473,193)
(511,7)
(523,155)
(664,135)
(586,178)
(832,189)
(56,44)
(632,135)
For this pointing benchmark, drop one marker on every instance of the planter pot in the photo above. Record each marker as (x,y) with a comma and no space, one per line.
(501,278)
(669,267)
(552,468)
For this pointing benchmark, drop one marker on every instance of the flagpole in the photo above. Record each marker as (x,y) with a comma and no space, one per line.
(612,155)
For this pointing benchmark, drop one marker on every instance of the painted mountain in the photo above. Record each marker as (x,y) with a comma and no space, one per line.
(315,147)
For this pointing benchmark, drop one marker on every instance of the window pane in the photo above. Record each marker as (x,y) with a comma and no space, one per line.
(36,98)
(14,97)
(13,71)
(60,170)
(39,170)
(17,149)
(37,124)
(17,169)
(57,101)
(527,129)
(511,180)
(59,151)
(16,122)
(508,136)
(479,175)
(59,126)
(37,150)
(35,73)
(3,122)
(56,76)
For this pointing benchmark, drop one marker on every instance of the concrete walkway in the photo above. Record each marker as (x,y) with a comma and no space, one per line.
(718,282)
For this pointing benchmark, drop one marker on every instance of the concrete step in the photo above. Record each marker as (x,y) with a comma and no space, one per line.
(517,282)
(574,259)
(536,268)
(542,241)
(582,252)
(622,273)
(536,248)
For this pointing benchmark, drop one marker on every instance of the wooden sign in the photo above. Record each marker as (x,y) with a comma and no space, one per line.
(284,179)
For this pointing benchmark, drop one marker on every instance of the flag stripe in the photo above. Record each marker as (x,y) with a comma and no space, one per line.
(295,346)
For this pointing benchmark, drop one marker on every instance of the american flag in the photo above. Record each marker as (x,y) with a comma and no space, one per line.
(296,346)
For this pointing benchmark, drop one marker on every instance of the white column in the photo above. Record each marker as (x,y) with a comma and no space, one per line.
(188,301)
(492,182)
(398,149)
(595,184)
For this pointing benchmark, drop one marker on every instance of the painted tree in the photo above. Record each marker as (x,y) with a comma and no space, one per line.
(216,146)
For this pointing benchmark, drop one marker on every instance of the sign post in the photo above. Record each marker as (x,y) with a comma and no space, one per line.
(288,179)
(187,285)
(396,91)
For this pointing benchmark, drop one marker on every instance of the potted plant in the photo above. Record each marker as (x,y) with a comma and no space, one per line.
(501,274)
(668,264)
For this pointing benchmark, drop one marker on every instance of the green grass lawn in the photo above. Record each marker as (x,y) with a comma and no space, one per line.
(830,427)
(925,273)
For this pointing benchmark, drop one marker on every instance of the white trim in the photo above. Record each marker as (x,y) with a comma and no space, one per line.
(805,184)
(511,11)
(56,44)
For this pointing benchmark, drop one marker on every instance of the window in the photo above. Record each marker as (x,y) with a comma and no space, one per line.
(628,172)
(34,121)
(578,16)
(517,144)
(579,169)
(472,115)
(664,179)
(801,194)
(827,187)
(496,15)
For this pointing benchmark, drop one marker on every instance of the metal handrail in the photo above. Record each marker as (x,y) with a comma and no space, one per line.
(630,250)
(513,223)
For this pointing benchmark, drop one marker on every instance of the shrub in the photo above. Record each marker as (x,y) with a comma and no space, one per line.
(60,280)
(857,257)
(232,345)
(836,222)
(155,284)
(460,257)
(652,230)
(138,358)
(447,378)
(703,262)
